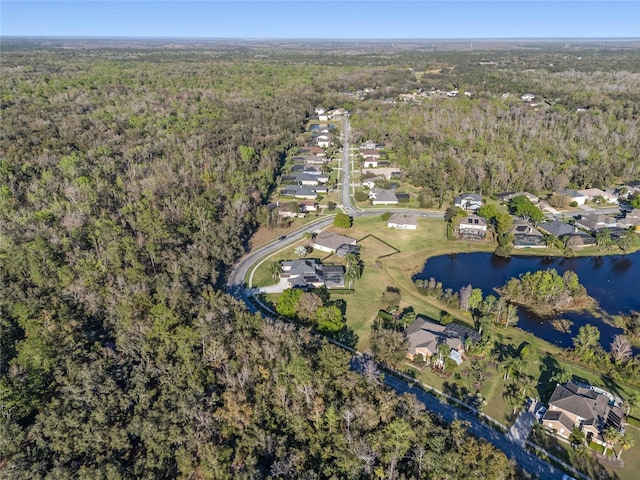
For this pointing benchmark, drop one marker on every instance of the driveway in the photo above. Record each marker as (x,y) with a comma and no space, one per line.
(279,287)
(521,427)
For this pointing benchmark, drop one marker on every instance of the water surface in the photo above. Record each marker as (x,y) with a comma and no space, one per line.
(614,281)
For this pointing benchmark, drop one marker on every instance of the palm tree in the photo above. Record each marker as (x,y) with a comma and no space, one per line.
(626,442)
(632,402)
(443,352)
(350,275)
(583,451)
(577,437)
(275,269)
(611,436)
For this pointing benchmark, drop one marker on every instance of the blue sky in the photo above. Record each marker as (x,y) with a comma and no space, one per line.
(323,19)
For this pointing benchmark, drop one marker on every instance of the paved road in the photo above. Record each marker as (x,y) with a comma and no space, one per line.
(346,167)
(236,287)
(525,460)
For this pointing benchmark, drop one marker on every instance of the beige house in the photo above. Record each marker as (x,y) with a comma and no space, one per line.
(592,193)
(403,221)
(585,407)
(472,227)
(424,337)
(330,242)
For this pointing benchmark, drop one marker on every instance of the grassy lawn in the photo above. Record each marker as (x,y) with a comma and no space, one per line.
(380,243)
(590,466)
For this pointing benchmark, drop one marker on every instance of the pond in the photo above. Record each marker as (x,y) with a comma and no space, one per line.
(316,126)
(614,281)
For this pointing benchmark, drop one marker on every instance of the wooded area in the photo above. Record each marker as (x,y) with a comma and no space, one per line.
(131,181)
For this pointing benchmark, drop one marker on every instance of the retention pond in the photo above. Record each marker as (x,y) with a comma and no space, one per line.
(613,280)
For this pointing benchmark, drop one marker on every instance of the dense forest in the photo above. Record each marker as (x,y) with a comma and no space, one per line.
(131,180)
(581,131)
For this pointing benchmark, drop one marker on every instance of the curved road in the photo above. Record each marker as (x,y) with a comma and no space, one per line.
(527,462)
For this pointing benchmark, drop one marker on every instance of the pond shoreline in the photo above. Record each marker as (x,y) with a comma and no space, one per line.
(610,279)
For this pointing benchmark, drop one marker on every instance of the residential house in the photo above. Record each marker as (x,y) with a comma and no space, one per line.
(308,206)
(468,201)
(370,152)
(403,221)
(311,273)
(311,150)
(330,242)
(574,196)
(311,170)
(299,192)
(569,234)
(557,228)
(369,145)
(370,162)
(631,220)
(587,408)
(345,249)
(578,239)
(526,236)
(472,227)
(323,141)
(370,183)
(338,112)
(290,210)
(383,197)
(303,179)
(595,221)
(593,193)
(424,336)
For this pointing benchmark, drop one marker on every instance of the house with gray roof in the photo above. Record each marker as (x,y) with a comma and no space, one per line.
(472,227)
(587,408)
(424,336)
(330,242)
(557,228)
(383,197)
(631,220)
(311,273)
(468,201)
(303,192)
(526,236)
(593,222)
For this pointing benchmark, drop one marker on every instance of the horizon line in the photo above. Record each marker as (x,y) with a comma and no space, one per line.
(138,37)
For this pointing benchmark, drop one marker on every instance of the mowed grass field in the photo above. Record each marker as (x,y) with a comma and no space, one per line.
(400,255)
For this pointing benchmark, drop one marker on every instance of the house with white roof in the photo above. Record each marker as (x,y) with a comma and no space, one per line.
(468,201)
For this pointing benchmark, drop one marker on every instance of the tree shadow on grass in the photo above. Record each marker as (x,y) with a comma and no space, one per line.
(549,369)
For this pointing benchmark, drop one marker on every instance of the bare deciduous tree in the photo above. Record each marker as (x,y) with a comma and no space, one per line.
(621,348)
